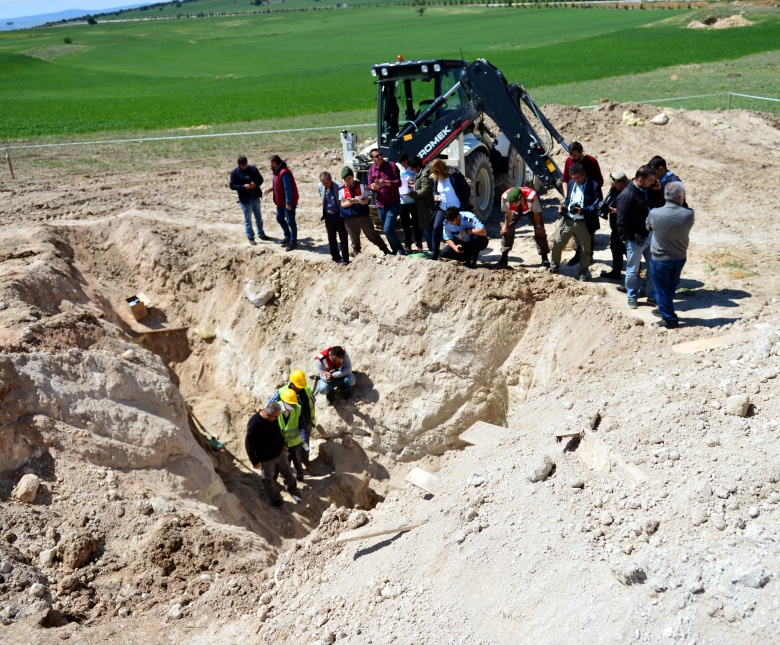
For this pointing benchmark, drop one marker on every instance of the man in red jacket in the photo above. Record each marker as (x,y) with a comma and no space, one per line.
(592,171)
(285,194)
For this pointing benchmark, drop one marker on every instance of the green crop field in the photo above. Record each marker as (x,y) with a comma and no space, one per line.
(151,75)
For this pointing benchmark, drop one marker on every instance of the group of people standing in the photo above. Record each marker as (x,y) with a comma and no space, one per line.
(432,204)
(279,434)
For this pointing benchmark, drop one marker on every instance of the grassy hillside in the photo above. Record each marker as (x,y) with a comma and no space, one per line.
(178,73)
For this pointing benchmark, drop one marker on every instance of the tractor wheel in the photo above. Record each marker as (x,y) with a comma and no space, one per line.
(479,173)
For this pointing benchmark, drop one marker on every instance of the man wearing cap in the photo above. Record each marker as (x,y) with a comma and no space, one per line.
(334,369)
(354,198)
(516,202)
(331,214)
(608,210)
(289,424)
(246,180)
(266,450)
(307,420)
(671,226)
(580,215)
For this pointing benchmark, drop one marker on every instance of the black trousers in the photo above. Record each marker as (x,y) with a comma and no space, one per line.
(412,234)
(616,246)
(471,249)
(334,225)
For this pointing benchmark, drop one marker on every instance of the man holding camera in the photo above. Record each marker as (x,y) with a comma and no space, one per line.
(580,219)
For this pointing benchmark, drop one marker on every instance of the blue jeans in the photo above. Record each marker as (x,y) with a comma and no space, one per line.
(435,233)
(388,217)
(286,220)
(666,278)
(346,384)
(252,207)
(635,254)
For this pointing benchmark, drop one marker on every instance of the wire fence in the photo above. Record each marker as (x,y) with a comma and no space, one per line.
(729,99)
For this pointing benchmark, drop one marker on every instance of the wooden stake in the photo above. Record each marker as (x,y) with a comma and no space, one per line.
(10,165)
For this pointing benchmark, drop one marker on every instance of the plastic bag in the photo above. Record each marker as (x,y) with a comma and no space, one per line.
(256,294)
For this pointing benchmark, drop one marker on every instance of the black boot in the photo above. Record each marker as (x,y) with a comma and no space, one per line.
(504,261)
(545,261)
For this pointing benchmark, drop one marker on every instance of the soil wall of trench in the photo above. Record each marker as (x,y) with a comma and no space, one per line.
(99,406)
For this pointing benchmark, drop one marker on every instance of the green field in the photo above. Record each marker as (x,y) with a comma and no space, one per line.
(180,73)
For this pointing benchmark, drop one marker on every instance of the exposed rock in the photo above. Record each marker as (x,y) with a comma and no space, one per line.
(77,551)
(738,405)
(542,469)
(755,578)
(27,489)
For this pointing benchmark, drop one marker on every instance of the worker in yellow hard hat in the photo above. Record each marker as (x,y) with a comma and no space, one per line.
(298,445)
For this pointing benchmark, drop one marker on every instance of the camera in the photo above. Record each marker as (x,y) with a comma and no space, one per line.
(574,209)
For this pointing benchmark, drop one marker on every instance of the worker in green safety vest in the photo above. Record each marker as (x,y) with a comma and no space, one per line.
(307,420)
(289,424)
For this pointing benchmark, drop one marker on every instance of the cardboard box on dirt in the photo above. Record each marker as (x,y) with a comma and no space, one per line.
(139,305)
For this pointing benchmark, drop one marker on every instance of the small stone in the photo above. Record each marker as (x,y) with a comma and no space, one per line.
(37,590)
(606,518)
(160,505)
(129,355)
(630,575)
(753,511)
(266,598)
(68,585)
(145,507)
(27,489)
(738,405)
(459,537)
(262,613)
(774,498)
(650,525)
(627,548)
(755,578)
(76,552)
(712,441)
(719,522)
(6,567)
(674,455)
(47,557)
(542,469)
(28,336)
(176,612)
(722,493)
(470,513)
(577,483)
(716,405)
(357,519)
(698,516)
(321,620)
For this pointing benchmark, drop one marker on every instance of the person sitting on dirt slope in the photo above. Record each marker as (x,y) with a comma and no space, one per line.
(354,198)
(608,209)
(331,214)
(307,421)
(592,171)
(516,202)
(266,450)
(246,180)
(580,218)
(465,236)
(289,423)
(285,194)
(633,206)
(334,369)
(671,225)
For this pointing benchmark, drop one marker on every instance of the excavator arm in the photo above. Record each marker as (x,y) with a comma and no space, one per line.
(492,96)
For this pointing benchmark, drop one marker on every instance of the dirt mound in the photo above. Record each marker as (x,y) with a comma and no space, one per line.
(720,23)
(661,517)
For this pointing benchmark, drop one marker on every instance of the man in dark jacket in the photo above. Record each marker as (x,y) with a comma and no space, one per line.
(265,448)
(633,205)
(608,210)
(331,215)
(580,217)
(422,194)
(592,171)
(285,193)
(246,181)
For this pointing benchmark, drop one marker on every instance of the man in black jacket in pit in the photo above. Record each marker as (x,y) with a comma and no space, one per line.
(265,448)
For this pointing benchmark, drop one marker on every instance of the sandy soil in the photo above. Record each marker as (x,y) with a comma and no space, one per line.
(658,525)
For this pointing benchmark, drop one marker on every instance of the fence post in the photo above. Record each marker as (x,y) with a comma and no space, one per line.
(10,165)
(728,107)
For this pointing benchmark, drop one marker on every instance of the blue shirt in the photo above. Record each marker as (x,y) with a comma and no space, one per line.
(468,220)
